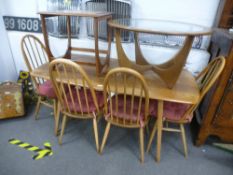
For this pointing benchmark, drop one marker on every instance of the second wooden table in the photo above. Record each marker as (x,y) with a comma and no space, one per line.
(97,16)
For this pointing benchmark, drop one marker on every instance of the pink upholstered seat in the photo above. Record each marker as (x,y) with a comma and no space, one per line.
(76,105)
(46,89)
(174,111)
(127,114)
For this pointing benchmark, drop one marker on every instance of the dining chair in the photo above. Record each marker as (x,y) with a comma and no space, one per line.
(75,93)
(178,113)
(35,55)
(126,102)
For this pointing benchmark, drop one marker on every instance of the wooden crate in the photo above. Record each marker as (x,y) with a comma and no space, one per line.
(11,100)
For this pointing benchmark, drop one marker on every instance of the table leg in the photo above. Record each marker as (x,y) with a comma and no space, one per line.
(159,128)
(46,38)
(68,27)
(169,71)
(124,60)
(109,39)
(96,34)
(138,53)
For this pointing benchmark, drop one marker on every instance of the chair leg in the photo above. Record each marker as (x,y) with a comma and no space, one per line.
(141,138)
(151,137)
(37,107)
(184,140)
(54,108)
(56,119)
(55,113)
(62,128)
(96,134)
(159,129)
(106,132)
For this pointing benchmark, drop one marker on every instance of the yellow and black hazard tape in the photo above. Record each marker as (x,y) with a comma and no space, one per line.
(40,152)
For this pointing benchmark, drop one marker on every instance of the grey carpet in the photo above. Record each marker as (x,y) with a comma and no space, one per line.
(77,155)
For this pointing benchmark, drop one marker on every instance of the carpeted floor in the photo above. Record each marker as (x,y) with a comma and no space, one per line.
(78,156)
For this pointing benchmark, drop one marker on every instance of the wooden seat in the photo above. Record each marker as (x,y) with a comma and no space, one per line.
(35,55)
(183,113)
(77,99)
(122,107)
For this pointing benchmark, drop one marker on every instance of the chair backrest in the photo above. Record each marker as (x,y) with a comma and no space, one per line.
(129,86)
(207,78)
(34,54)
(209,75)
(73,88)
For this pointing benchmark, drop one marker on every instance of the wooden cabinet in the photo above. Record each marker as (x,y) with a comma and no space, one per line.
(226,19)
(217,107)
(224,114)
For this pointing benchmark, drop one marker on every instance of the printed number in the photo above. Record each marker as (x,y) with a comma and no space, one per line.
(9,23)
(35,25)
(6,21)
(22,24)
(29,24)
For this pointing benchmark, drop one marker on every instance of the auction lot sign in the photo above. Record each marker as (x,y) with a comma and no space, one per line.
(22,24)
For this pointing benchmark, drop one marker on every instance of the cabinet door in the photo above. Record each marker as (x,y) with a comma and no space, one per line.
(226,18)
(224,115)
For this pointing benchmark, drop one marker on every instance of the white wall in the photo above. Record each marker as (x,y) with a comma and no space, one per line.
(7,65)
(192,11)
(20,8)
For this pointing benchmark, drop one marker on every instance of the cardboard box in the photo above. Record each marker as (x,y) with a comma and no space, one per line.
(11,100)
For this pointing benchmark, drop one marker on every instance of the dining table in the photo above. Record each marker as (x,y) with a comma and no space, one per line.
(184,91)
(169,70)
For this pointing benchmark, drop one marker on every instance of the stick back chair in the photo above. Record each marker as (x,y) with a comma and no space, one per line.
(181,114)
(35,55)
(75,93)
(126,102)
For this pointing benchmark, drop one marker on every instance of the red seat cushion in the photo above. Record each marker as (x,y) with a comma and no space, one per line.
(174,111)
(46,89)
(76,105)
(121,114)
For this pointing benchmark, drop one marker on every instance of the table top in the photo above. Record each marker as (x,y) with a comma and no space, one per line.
(75,13)
(184,91)
(160,27)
